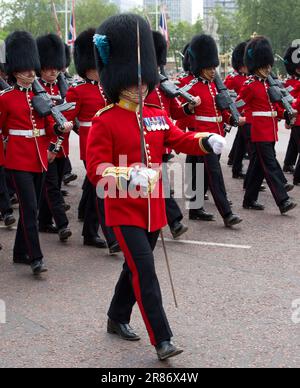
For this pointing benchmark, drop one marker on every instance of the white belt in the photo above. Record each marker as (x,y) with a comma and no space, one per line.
(85,123)
(264,114)
(218,119)
(27,133)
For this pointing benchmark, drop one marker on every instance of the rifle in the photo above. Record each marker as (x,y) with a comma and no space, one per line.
(224,100)
(44,105)
(3,84)
(280,94)
(62,85)
(173,91)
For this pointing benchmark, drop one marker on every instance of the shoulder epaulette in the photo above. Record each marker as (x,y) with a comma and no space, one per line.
(78,83)
(101,111)
(153,106)
(6,90)
(249,81)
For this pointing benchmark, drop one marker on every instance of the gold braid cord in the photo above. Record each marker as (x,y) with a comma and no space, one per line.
(121,175)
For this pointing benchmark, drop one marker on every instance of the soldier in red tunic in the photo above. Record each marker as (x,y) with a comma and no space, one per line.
(293,69)
(234,81)
(134,203)
(204,60)
(28,144)
(52,57)
(89,97)
(259,59)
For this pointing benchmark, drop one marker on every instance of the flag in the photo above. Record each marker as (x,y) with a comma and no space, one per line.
(163,25)
(72,30)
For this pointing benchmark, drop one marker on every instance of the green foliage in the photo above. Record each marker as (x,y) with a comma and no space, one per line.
(37,17)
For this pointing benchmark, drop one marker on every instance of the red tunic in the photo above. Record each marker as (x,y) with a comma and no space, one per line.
(207,91)
(53,90)
(116,132)
(89,98)
(235,82)
(295,84)
(189,121)
(2,159)
(24,153)
(255,94)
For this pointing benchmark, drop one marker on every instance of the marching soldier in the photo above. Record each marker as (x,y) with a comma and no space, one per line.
(52,57)
(293,69)
(28,147)
(234,82)
(136,214)
(175,111)
(204,60)
(89,98)
(259,59)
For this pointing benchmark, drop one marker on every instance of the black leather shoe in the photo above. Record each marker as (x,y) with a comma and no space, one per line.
(239,175)
(230,162)
(178,229)
(114,248)
(254,205)
(96,242)
(262,188)
(206,197)
(167,350)
(67,207)
(21,260)
(124,331)
(289,187)
(201,215)
(65,193)
(51,229)
(68,178)
(287,206)
(289,169)
(64,234)
(9,220)
(232,220)
(38,267)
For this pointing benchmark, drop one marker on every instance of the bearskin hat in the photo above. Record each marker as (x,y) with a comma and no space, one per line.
(292,59)
(238,56)
(84,56)
(258,54)
(117,54)
(21,53)
(68,55)
(52,52)
(203,53)
(186,58)
(161,48)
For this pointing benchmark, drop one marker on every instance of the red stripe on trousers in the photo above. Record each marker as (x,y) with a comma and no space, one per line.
(135,282)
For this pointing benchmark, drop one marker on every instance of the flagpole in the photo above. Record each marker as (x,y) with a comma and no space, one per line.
(66,21)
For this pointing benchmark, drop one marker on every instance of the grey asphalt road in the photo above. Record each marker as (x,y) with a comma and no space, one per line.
(235,299)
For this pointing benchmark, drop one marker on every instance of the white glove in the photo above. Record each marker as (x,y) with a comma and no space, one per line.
(217,143)
(146,178)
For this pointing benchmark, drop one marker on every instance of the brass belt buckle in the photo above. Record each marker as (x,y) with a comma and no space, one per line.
(36,133)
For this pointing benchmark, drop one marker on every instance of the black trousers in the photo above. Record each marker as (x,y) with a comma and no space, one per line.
(28,188)
(296,131)
(240,150)
(5,205)
(265,165)
(138,283)
(173,211)
(52,205)
(292,150)
(233,148)
(213,179)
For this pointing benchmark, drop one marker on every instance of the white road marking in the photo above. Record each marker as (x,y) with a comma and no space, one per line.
(210,244)
(5,227)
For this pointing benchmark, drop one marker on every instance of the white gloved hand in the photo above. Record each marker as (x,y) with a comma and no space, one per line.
(217,143)
(144,177)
